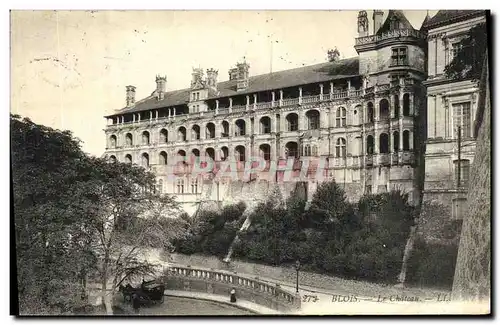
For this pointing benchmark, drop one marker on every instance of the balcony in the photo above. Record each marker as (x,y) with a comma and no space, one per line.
(388,35)
(407,157)
(383,159)
(394,158)
(369,160)
(239,108)
(310,99)
(290,101)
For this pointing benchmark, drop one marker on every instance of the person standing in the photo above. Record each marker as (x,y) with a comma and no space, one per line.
(135,302)
(233,295)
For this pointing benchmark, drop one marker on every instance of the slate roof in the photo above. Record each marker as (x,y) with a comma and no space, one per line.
(444,17)
(398,15)
(277,80)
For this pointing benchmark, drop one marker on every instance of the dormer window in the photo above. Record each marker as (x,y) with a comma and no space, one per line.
(399,56)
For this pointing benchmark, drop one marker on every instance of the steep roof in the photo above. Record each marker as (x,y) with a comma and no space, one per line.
(397,15)
(277,80)
(444,17)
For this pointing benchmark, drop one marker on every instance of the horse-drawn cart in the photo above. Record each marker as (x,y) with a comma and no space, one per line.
(149,293)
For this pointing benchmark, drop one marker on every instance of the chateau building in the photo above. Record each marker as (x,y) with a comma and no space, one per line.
(451,105)
(364,116)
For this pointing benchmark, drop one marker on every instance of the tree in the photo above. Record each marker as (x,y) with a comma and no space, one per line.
(124,217)
(45,170)
(469,58)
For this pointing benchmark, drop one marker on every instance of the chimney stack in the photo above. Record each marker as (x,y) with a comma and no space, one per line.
(197,78)
(243,74)
(212,78)
(130,96)
(161,86)
(362,24)
(378,15)
(233,73)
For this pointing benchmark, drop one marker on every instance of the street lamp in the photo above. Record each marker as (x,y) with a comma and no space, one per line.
(297,267)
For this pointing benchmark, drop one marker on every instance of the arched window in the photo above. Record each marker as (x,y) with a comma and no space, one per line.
(180,185)
(224,153)
(265,151)
(210,152)
(210,130)
(384,143)
(265,125)
(406,105)
(395,141)
(384,109)
(196,155)
(370,112)
(292,121)
(182,134)
(159,186)
(128,159)
(340,148)
(225,129)
(195,132)
(406,140)
(145,137)
(163,158)
(396,106)
(145,160)
(369,145)
(128,139)
(240,128)
(163,136)
(314,150)
(291,149)
(181,156)
(112,141)
(239,153)
(312,119)
(112,159)
(340,119)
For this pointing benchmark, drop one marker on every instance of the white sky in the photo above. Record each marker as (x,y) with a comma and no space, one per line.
(70,68)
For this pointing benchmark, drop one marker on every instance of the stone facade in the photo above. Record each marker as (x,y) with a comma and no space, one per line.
(450,104)
(364,122)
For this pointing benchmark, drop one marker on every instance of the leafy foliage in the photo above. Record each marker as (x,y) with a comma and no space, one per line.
(76,216)
(364,240)
(469,60)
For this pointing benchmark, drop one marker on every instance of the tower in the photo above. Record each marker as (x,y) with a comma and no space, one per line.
(362,24)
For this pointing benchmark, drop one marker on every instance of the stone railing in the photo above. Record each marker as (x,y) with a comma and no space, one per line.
(238,108)
(218,282)
(390,34)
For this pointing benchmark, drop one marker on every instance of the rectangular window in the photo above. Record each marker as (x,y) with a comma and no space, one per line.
(464,173)
(462,118)
(368,189)
(399,56)
(455,48)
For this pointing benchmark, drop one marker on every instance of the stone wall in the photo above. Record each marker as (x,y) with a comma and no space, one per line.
(473,269)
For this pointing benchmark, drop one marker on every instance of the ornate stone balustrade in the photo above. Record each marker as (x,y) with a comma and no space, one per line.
(239,108)
(221,282)
(388,35)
